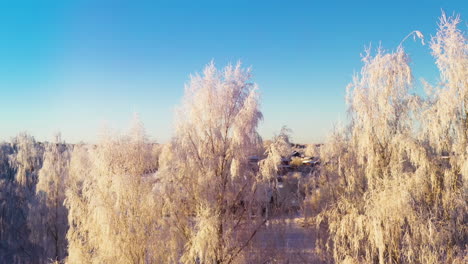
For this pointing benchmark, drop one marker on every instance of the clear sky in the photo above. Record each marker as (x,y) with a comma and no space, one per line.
(72,66)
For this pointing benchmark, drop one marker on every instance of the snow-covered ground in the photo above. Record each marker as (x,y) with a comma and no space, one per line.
(287,241)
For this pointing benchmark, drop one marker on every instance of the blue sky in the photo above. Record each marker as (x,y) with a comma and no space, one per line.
(72,66)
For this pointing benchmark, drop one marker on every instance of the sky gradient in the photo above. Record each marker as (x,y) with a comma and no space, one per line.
(73,66)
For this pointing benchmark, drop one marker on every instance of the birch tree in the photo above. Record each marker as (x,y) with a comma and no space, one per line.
(270,168)
(21,161)
(395,174)
(114,213)
(211,187)
(279,149)
(48,216)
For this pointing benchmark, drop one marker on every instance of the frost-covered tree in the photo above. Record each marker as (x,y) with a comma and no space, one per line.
(444,136)
(445,117)
(9,211)
(312,150)
(114,214)
(79,247)
(20,163)
(48,216)
(28,161)
(394,178)
(211,188)
(279,149)
(379,104)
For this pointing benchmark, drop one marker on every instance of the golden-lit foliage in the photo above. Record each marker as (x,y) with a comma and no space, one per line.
(210,186)
(114,213)
(397,183)
(389,187)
